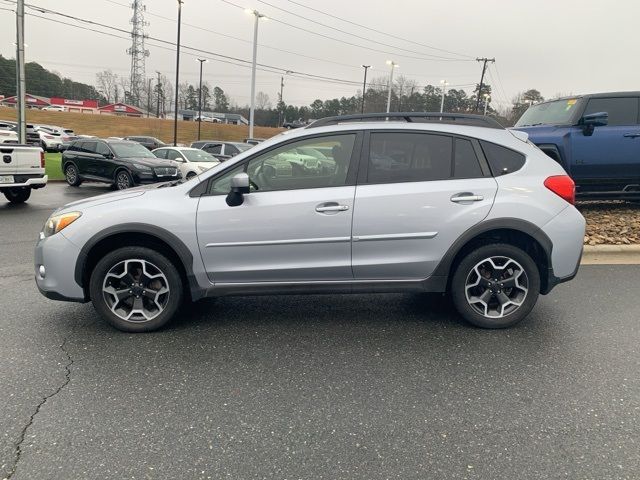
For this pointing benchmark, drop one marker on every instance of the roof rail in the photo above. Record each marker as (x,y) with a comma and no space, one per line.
(412,117)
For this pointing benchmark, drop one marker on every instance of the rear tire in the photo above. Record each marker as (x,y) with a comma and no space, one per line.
(71,175)
(136,289)
(17,195)
(495,286)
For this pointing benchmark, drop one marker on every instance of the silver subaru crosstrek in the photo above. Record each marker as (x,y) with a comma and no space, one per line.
(364,203)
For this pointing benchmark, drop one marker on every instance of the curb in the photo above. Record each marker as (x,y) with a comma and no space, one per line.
(611,255)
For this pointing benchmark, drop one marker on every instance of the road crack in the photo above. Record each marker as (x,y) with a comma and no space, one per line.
(23,433)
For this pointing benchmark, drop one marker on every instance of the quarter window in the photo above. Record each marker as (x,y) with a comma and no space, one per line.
(502,160)
(622,111)
(409,157)
(89,147)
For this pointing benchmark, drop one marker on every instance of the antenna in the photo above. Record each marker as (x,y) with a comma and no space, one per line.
(137,52)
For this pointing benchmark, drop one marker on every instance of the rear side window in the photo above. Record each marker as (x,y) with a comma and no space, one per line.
(102,149)
(465,160)
(213,149)
(502,160)
(89,147)
(409,157)
(161,153)
(622,111)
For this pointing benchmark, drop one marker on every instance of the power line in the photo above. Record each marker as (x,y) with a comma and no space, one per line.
(350,33)
(350,43)
(380,31)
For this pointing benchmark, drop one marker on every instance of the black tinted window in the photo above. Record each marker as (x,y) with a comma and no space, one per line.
(466,163)
(409,157)
(213,149)
(502,160)
(102,149)
(622,111)
(231,150)
(89,147)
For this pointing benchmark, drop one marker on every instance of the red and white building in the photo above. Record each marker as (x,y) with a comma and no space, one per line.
(121,109)
(79,106)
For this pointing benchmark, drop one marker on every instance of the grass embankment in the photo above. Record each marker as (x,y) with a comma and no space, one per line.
(52,166)
(114,126)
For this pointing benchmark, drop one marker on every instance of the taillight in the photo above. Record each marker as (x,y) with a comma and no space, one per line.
(563,186)
(41,159)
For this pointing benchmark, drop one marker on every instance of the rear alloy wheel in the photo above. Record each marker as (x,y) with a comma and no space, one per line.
(495,286)
(136,289)
(71,175)
(17,195)
(123,180)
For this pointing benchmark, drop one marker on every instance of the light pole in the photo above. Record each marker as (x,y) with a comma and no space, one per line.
(257,16)
(175,106)
(486,102)
(364,85)
(393,65)
(20,78)
(201,60)
(444,88)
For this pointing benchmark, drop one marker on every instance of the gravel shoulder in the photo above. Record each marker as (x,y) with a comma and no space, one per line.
(611,223)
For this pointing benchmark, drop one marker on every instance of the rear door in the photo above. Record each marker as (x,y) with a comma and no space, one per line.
(417,193)
(612,153)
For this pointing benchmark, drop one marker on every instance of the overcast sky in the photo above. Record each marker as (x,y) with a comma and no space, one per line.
(556,46)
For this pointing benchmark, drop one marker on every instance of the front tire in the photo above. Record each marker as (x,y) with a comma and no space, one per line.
(72,176)
(495,286)
(17,195)
(123,180)
(190,175)
(136,289)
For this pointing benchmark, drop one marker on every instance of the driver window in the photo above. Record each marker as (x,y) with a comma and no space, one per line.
(311,163)
(174,155)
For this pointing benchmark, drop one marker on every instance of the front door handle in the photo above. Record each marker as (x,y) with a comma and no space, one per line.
(632,135)
(466,197)
(331,207)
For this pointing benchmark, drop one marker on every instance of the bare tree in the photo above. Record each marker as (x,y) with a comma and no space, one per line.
(125,85)
(183,94)
(107,82)
(262,101)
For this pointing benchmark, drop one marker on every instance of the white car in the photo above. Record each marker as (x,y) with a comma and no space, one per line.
(54,138)
(8,135)
(55,108)
(192,161)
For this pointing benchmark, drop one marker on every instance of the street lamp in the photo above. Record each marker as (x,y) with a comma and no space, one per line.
(175,106)
(486,102)
(393,65)
(444,88)
(364,84)
(201,60)
(257,16)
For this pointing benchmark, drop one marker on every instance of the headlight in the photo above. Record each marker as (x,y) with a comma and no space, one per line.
(59,222)
(201,168)
(144,168)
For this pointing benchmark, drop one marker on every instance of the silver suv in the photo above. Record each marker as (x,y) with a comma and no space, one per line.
(375,203)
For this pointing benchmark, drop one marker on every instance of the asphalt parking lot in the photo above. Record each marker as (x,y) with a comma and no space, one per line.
(288,387)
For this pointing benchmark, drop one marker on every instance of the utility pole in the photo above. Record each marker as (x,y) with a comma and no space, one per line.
(393,66)
(252,108)
(158,88)
(149,99)
(281,102)
(444,88)
(20,81)
(484,61)
(138,52)
(201,60)
(364,85)
(175,106)
(486,103)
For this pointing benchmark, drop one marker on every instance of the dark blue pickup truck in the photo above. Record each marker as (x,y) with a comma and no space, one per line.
(596,138)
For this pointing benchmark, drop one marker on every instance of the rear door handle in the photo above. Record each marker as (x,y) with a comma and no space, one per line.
(466,197)
(632,135)
(334,207)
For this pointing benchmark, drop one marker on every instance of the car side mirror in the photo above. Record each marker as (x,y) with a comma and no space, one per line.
(239,188)
(592,120)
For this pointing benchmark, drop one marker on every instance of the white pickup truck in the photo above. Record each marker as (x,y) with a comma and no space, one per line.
(21,170)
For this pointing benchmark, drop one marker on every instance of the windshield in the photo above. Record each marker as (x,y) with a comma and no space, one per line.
(130,150)
(549,113)
(199,156)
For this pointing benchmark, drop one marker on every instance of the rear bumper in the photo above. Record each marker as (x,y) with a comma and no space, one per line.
(566,232)
(33,182)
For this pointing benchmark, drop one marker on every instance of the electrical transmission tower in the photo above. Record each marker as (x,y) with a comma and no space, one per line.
(138,53)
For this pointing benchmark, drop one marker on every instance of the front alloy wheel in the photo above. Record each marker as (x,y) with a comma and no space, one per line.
(136,289)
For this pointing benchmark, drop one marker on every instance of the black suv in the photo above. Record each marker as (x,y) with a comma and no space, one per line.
(151,143)
(121,163)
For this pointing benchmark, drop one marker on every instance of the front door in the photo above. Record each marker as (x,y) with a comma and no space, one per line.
(294,226)
(612,153)
(419,193)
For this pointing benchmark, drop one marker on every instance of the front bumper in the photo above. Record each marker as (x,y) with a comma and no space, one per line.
(58,256)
